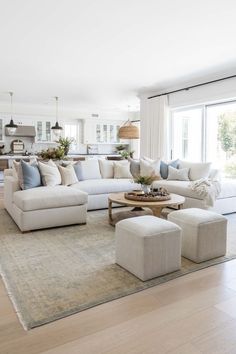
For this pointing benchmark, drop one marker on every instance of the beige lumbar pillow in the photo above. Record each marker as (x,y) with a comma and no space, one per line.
(68,175)
(176,174)
(49,173)
(122,169)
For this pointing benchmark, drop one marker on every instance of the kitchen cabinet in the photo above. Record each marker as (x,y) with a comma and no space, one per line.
(43,131)
(102,132)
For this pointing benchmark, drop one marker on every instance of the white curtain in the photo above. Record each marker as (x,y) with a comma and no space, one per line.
(154,114)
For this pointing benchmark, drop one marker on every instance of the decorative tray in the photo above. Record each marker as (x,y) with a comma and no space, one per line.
(148,197)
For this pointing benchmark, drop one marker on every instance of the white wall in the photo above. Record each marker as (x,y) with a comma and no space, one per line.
(214,92)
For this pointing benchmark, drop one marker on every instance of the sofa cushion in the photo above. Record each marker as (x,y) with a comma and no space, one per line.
(134,167)
(31,175)
(48,197)
(197,170)
(106,168)
(106,185)
(49,173)
(68,175)
(165,165)
(90,169)
(178,174)
(150,167)
(122,169)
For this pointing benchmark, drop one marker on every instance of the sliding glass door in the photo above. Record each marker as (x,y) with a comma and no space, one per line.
(221,137)
(187,134)
(206,133)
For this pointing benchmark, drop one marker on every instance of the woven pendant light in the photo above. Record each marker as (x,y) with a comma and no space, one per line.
(128,131)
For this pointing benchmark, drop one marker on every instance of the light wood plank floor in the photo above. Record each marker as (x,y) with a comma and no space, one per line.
(190,315)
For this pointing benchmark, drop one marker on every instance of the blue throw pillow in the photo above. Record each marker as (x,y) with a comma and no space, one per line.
(78,171)
(164,167)
(31,175)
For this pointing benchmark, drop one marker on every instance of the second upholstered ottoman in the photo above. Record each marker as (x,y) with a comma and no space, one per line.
(148,246)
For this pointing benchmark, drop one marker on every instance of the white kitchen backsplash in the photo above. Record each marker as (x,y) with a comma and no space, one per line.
(29,144)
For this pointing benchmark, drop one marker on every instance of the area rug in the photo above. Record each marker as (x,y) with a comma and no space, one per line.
(50,274)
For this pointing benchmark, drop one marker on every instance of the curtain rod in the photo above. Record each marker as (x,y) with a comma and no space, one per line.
(190,87)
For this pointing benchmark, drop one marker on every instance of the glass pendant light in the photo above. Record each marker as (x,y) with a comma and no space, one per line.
(11,127)
(56,128)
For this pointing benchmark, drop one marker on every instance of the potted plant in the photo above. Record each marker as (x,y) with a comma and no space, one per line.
(54,154)
(145,182)
(65,144)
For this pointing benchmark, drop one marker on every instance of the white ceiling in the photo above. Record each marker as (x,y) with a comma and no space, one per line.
(101,53)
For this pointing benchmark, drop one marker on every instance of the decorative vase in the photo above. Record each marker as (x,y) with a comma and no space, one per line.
(66,150)
(146,188)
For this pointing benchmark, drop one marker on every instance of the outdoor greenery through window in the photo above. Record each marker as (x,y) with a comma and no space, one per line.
(206,133)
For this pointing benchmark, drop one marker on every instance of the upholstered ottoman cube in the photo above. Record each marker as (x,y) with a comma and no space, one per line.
(148,246)
(204,233)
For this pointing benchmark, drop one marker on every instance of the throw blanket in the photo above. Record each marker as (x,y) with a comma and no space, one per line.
(207,189)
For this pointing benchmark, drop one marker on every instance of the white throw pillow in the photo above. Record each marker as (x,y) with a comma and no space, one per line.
(49,173)
(90,169)
(122,169)
(177,174)
(106,168)
(197,170)
(68,175)
(150,167)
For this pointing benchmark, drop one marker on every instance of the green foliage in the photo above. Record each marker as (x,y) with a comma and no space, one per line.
(230,167)
(120,148)
(227,132)
(55,154)
(145,180)
(65,144)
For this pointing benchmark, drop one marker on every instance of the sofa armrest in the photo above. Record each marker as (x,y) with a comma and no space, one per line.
(215,174)
(11,185)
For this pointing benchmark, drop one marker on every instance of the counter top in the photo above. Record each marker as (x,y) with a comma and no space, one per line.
(7,157)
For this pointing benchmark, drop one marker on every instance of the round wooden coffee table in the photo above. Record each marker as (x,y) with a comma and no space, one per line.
(156,207)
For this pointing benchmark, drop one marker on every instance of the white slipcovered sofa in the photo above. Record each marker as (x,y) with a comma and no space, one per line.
(47,206)
(225,202)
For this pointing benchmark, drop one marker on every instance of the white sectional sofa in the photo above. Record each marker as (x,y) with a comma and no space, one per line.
(225,202)
(46,206)
(50,206)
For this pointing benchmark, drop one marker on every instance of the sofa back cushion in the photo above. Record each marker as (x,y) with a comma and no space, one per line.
(89,169)
(150,167)
(18,173)
(134,167)
(164,167)
(178,174)
(122,169)
(31,177)
(106,168)
(49,173)
(197,170)
(68,175)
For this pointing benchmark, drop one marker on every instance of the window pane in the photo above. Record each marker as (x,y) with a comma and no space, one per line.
(104,133)
(98,133)
(71,131)
(221,137)
(187,135)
